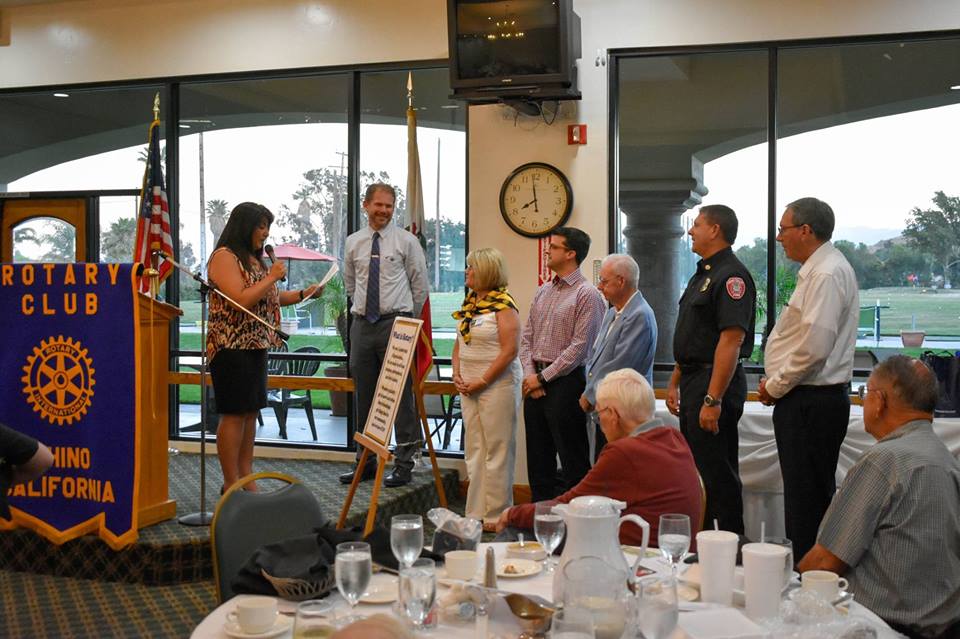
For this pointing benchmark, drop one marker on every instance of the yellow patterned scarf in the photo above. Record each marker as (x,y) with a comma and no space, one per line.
(494,301)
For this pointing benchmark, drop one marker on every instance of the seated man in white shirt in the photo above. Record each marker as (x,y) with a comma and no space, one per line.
(893,528)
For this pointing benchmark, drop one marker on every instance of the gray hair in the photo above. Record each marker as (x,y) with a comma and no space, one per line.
(815,213)
(913,382)
(630,394)
(625,266)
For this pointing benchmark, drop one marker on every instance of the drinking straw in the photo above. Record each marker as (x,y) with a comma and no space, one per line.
(716,524)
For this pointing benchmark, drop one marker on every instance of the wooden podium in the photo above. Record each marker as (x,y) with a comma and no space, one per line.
(153,501)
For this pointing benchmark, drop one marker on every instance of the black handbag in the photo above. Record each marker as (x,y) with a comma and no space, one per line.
(946,367)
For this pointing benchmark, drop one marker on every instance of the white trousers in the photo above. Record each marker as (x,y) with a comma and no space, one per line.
(490,428)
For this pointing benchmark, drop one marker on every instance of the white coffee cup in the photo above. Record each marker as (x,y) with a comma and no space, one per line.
(254,614)
(717,552)
(461,564)
(823,582)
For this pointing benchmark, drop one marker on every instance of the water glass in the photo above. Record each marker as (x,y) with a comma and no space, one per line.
(572,622)
(788,569)
(549,530)
(353,566)
(418,589)
(314,620)
(673,538)
(657,607)
(406,538)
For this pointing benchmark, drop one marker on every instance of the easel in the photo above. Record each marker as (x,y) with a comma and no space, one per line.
(397,366)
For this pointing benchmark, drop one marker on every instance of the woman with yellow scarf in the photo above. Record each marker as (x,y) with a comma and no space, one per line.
(487,373)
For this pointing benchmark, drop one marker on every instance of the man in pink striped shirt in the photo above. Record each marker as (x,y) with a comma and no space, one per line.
(564,319)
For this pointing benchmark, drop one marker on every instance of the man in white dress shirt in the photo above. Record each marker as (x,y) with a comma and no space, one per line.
(808,362)
(385,274)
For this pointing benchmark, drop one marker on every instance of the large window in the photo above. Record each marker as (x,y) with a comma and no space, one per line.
(868,127)
(303,145)
(872,129)
(692,131)
(441,142)
(75,140)
(280,142)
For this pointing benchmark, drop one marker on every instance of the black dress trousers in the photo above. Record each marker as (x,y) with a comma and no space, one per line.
(717,456)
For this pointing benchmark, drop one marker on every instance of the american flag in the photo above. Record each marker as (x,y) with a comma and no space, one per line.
(153,223)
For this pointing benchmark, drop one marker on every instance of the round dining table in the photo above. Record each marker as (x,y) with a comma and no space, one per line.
(720,621)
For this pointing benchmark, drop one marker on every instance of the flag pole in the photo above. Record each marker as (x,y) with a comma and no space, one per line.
(152,271)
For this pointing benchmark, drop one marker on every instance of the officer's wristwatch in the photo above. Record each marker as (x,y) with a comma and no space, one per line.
(710,400)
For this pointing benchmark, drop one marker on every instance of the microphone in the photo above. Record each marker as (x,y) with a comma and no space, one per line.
(268,249)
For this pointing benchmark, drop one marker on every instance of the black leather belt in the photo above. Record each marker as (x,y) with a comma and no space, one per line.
(540,366)
(385,316)
(687,369)
(825,388)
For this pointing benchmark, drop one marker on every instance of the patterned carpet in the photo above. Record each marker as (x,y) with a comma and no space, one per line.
(40,606)
(169,553)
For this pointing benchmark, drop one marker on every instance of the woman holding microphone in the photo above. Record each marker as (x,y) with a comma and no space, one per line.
(237,344)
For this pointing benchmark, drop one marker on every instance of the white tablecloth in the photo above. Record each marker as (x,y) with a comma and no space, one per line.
(760,465)
(501,623)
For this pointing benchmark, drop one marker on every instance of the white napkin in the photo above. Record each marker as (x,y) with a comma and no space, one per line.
(720,623)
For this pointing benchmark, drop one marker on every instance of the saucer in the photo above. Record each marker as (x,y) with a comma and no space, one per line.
(382,589)
(280,625)
(511,568)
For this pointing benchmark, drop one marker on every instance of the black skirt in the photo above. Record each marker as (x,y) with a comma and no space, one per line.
(239,380)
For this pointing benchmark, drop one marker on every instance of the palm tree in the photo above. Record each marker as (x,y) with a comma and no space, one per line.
(217,216)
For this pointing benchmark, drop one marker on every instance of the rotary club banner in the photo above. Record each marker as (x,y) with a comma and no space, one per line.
(68,378)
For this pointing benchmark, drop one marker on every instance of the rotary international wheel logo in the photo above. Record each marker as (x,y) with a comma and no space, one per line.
(59,380)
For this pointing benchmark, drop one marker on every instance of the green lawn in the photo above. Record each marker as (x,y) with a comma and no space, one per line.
(935,311)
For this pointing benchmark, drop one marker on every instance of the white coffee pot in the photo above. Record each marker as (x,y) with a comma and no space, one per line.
(593,530)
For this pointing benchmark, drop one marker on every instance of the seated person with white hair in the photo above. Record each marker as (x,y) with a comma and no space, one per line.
(646,463)
(893,528)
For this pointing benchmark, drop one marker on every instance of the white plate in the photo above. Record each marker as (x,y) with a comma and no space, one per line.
(530,550)
(382,589)
(282,624)
(635,550)
(521,568)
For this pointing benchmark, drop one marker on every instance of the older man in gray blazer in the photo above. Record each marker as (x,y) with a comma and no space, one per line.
(627,337)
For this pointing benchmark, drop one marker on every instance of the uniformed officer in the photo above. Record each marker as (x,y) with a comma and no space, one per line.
(708,387)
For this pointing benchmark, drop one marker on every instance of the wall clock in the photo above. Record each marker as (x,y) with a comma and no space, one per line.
(535,199)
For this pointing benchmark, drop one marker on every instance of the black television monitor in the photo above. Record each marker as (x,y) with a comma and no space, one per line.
(513,48)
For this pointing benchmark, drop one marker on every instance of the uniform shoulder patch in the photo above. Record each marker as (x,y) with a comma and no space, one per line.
(736,288)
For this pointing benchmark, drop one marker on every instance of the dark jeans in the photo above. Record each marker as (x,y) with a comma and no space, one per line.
(810,423)
(555,424)
(368,347)
(717,456)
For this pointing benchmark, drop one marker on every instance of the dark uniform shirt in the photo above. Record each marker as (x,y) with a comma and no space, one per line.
(721,294)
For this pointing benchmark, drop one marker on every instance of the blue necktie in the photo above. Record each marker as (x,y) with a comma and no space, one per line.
(373,282)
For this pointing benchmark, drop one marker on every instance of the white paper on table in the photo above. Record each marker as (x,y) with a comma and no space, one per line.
(720,623)
(326,278)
